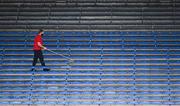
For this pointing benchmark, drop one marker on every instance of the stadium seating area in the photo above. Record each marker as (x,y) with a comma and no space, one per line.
(110,68)
(125,52)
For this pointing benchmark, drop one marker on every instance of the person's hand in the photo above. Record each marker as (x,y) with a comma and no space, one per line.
(45,48)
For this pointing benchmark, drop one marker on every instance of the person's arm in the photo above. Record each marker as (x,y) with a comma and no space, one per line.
(40,45)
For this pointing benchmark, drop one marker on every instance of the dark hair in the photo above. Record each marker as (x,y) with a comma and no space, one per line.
(40,30)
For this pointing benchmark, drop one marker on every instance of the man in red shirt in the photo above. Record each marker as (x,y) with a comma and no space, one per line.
(38,47)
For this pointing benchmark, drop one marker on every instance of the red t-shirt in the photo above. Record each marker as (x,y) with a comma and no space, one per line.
(37,39)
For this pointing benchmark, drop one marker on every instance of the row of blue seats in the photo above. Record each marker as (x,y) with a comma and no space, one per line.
(104,79)
(98,61)
(77,66)
(96,50)
(99,32)
(95,97)
(122,72)
(92,102)
(95,40)
(94,46)
(98,57)
(29,39)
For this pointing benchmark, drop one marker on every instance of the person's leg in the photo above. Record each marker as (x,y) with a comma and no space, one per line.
(41,58)
(35,58)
